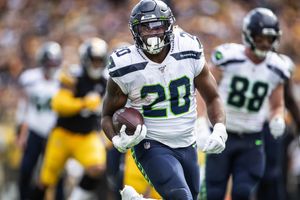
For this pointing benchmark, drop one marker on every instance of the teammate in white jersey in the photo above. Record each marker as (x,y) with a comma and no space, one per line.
(273,184)
(159,74)
(249,76)
(39,86)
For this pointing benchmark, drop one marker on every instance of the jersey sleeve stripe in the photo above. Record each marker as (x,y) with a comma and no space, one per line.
(278,72)
(187,54)
(233,61)
(128,69)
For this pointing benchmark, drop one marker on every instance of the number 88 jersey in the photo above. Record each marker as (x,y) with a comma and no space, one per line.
(245,87)
(163,92)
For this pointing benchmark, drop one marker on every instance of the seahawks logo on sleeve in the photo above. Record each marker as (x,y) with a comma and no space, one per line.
(227,54)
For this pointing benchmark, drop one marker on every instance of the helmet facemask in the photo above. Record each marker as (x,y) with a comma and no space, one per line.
(50,58)
(251,41)
(96,67)
(153,36)
(93,57)
(151,24)
(259,23)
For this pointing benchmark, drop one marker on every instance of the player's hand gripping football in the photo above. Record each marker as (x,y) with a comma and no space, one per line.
(277,126)
(216,141)
(123,142)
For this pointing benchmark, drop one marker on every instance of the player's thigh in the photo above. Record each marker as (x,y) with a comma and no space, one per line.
(189,162)
(89,150)
(248,169)
(34,147)
(133,177)
(56,154)
(161,167)
(217,172)
(217,167)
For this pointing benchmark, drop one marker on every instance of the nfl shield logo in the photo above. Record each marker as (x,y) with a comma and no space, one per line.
(147,145)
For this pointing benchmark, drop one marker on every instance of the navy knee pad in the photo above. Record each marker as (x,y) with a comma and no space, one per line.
(179,194)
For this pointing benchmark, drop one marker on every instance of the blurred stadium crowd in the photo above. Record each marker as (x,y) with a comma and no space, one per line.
(26,24)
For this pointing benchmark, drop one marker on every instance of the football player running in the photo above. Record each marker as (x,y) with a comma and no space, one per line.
(250,77)
(159,75)
(35,116)
(78,105)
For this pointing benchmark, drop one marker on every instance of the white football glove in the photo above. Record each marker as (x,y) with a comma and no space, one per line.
(277,126)
(216,141)
(123,142)
(202,132)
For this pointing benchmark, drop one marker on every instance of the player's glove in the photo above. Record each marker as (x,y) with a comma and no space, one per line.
(92,102)
(123,142)
(277,126)
(202,132)
(216,141)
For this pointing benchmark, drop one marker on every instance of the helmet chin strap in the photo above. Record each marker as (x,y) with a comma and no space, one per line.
(154,45)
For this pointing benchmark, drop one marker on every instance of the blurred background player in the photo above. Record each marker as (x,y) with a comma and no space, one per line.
(159,75)
(26,24)
(76,133)
(248,75)
(39,86)
(273,185)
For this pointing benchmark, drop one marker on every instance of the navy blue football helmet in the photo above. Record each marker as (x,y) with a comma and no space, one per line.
(49,54)
(49,57)
(152,14)
(263,22)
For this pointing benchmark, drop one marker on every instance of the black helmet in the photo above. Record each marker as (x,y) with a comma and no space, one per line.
(152,13)
(91,50)
(260,21)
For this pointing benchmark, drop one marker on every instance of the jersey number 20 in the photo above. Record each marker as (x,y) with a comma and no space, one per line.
(173,89)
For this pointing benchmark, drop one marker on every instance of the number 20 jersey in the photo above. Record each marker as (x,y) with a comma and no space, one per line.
(164,93)
(245,87)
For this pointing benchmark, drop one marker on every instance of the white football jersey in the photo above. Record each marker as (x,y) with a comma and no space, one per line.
(245,87)
(164,93)
(39,91)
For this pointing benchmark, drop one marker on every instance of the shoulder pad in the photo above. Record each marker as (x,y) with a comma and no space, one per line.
(29,76)
(187,42)
(124,61)
(228,53)
(288,62)
(281,65)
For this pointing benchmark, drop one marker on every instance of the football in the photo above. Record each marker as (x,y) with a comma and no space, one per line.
(129,117)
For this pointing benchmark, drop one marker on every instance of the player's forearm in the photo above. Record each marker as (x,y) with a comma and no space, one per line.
(107,127)
(65,104)
(277,111)
(276,101)
(215,111)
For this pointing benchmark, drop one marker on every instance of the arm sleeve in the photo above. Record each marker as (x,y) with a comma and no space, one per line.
(65,104)
(111,68)
(201,61)
(218,57)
